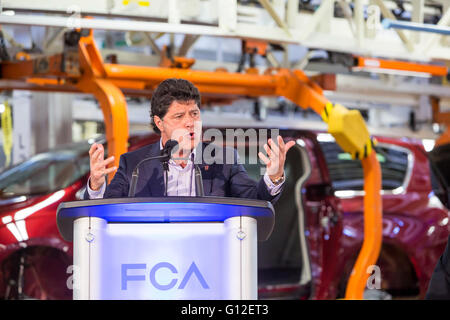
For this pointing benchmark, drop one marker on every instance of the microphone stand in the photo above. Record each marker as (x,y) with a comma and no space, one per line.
(164,158)
(199,192)
(135,175)
(165,164)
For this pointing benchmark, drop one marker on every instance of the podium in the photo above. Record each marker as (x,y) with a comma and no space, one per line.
(165,248)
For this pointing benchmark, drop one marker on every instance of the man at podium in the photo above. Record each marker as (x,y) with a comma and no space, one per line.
(175,114)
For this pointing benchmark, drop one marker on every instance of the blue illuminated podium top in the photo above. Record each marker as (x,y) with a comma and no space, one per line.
(166,210)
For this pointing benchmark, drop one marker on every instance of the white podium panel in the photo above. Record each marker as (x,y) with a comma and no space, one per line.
(193,260)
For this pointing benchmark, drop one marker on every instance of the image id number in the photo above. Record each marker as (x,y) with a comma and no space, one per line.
(250,309)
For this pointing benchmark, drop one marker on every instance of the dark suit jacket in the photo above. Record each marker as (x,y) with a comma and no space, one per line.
(439,287)
(219,178)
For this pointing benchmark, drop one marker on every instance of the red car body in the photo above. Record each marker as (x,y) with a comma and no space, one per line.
(415,231)
(415,226)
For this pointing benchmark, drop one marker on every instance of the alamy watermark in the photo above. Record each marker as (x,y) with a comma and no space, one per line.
(374,280)
(373,21)
(230,146)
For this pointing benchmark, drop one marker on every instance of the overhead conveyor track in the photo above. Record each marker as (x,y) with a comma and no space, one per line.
(339,26)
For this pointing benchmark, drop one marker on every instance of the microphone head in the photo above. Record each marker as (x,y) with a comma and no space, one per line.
(170,147)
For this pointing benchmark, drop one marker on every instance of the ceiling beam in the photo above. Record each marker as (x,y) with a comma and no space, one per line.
(388,14)
(269,8)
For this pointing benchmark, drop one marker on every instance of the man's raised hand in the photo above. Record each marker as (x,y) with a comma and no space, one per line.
(276,157)
(98,165)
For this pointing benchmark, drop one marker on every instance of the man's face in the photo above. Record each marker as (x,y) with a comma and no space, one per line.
(182,123)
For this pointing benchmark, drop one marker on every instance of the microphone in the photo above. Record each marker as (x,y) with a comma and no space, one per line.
(199,192)
(166,153)
(170,147)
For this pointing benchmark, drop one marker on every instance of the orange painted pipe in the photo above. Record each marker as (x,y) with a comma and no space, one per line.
(375,63)
(154,74)
(371,247)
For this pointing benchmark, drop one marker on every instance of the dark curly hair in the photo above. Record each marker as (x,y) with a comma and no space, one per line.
(168,91)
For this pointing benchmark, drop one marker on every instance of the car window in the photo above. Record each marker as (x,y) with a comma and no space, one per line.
(347,174)
(45,173)
(279,258)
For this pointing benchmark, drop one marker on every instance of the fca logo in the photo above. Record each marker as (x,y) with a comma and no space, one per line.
(193,270)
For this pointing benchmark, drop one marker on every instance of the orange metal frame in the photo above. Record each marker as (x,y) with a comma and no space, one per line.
(109,82)
(371,246)
(380,64)
(440,117)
